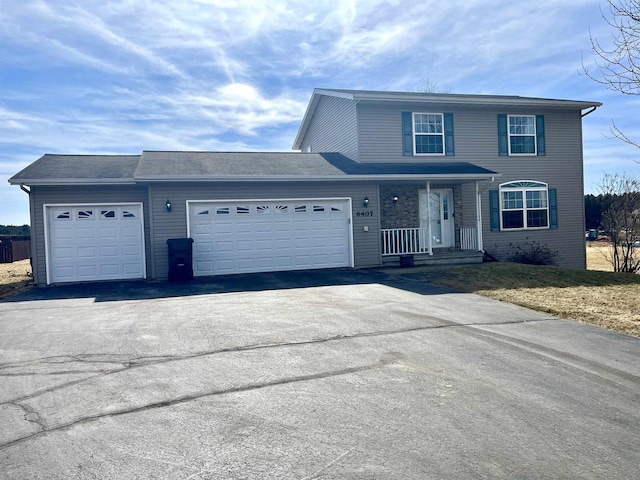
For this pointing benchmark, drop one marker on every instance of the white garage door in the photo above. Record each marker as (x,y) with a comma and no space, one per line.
(94,242)
(269,235)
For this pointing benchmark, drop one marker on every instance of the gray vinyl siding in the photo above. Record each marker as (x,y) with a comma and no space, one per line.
(476,141)
(561,168)
(333,128)
(174,224)
(45,195)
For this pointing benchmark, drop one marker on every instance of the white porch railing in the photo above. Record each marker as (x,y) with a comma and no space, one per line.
(468,238)
(407,241)
(401,241)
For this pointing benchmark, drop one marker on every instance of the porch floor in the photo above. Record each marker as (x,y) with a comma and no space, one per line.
(443,257)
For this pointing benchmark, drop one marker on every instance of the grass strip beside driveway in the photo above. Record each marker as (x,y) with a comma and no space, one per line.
(607,299)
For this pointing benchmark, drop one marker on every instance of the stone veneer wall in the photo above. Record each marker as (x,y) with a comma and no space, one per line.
(405,213)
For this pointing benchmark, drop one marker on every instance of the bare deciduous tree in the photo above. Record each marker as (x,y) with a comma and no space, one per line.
(622,221)
(427,85)
(619,64)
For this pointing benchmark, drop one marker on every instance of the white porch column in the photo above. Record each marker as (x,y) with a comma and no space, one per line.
(479,217)
(430,242)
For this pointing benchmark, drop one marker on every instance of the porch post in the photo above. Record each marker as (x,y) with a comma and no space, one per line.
(430,241)
(479,217)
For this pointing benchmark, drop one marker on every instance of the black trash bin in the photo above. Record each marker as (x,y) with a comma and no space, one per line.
(180,259)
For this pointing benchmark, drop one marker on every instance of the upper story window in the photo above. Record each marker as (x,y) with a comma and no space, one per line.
(521,135)
(427,133)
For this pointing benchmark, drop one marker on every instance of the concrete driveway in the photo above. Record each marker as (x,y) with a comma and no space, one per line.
(343,374)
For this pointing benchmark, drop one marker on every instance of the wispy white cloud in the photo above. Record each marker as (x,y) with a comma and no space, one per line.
(125,75)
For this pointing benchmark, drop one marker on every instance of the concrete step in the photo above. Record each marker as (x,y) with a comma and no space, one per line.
(438,258)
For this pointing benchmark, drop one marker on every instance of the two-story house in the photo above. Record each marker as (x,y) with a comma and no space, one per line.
(380,175)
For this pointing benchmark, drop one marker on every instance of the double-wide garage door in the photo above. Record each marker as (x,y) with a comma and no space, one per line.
(94,242)
(269,235)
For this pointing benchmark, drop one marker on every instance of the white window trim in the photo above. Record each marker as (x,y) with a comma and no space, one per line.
(504,187)
(535,137)
(413,136)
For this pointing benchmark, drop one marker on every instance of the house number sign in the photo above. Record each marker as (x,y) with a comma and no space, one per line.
(364,213)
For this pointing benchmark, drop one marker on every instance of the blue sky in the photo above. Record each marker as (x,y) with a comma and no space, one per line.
(121,76)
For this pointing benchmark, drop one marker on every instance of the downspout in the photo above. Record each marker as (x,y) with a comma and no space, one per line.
(32,235)
(593,109)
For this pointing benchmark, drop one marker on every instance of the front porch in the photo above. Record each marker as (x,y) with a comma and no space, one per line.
(398,244)
(429,224)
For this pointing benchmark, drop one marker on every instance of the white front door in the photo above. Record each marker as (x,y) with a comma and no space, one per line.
(438,213)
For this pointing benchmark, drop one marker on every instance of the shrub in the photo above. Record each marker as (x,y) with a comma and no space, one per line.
(532,253)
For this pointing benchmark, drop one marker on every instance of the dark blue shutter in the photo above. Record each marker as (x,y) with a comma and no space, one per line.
(542,148)
(553,208)
(407,134)
(449,147)
(494,206)
(503,142)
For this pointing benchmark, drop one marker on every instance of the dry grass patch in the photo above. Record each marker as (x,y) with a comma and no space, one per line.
(14,277)
(606,299)
(597,254)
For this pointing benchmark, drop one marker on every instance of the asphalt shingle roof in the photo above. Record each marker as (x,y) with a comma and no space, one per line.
(154,165)
(234,164)
(79,168)
(219,166)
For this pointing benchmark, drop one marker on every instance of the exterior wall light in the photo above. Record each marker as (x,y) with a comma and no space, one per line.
(395,199)
(365,202)
(168,205)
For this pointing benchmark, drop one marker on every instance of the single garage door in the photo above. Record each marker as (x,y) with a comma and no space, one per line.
(269,235)
(94,242)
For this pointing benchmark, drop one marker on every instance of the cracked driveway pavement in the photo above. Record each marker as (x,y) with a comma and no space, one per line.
(326,374)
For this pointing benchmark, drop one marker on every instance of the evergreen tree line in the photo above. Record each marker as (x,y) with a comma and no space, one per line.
(596,205)
(15,230)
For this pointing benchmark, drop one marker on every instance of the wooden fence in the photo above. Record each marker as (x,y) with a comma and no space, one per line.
(13,248)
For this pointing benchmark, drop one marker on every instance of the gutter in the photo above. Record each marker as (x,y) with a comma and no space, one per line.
(593,109)
(319,178)
(71,181)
